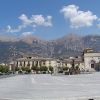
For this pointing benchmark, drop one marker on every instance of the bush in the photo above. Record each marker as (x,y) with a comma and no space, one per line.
(44,72)
(65,68)
(4,69)
(66,73)
(60,71)
(51,69)
(34,68)
(77,67)
(23,68)
(43,68)
(27,69)
(17,68)
(20,72)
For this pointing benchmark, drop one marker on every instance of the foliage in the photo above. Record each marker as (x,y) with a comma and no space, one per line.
(23,68)
(77,67)
(4,69)
(34,68)
(27,69)
(51,68)
(74,70)
(17,68)
(43,68)
(65,68)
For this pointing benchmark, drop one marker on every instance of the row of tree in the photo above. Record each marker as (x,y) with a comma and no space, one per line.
(70,71)
(35,69)
(42,69)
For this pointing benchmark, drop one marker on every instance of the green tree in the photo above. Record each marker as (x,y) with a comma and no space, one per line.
(77,69)
(34,68)
(23,68)
(51,68)
(43,68)
(27,69)
(65,68)
(4,69)
(17,68)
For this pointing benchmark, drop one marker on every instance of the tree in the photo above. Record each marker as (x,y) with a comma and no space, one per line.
(77,69)
(23,68)
(17,68)
(4,69)
(51,68)
(27,69)
(43,68)
(34,68)
(65,68)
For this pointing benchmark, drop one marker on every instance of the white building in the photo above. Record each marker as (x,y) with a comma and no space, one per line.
(87,62)
(90,60)
(77,62)
(35,61)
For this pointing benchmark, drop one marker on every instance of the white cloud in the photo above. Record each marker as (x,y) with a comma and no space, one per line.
(25,19)
(26,34)
(11,30)
(77,17)
(40,20)
(34,21)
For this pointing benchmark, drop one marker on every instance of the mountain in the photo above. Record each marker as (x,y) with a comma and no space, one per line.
(69,45)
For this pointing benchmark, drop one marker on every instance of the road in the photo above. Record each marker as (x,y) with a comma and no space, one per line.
(47,87)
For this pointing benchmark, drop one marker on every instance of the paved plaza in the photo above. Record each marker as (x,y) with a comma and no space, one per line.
(50,87)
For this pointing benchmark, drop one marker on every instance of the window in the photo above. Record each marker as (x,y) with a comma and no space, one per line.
(92,65)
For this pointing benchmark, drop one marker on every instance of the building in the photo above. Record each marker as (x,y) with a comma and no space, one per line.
(73,61)
(30,61)
(57,64)
(91,60)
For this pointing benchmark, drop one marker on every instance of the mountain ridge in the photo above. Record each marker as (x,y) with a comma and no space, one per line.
(69,45)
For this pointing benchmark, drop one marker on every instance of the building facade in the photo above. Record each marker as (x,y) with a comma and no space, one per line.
(35,61)
(40,61)
(91,61)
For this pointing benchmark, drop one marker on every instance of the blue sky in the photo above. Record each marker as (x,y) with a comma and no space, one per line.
(49,19)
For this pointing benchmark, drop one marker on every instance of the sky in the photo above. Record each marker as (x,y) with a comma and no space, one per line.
(49,19)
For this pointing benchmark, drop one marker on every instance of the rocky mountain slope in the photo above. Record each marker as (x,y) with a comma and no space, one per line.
(69,45)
